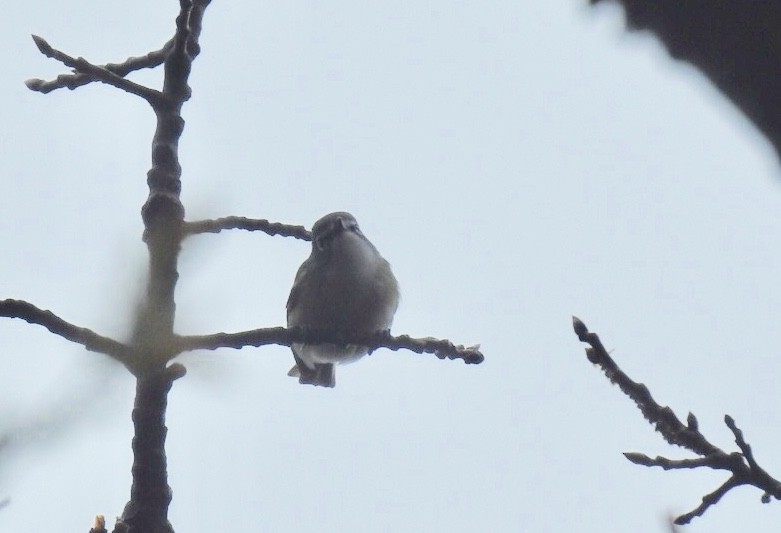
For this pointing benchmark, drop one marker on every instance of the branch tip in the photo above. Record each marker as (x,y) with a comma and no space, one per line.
(34,84)
(742,465)
(691,422)
(44,47)
(638,458)
(579,327)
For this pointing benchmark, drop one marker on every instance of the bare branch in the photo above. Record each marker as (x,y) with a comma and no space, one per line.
(717,462)
(708,500)
(87,338)
(663,418)
(163,216)
(150,495)
(97,73)
(74,81)
(760,478)
(163,208)
(443,349)
(194,25)
(743,466)
(247,224)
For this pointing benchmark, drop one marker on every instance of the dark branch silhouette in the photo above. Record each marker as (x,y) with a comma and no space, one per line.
(74,81)
(246,224)
(86,337)
(443,349)
(163,215)
(91,72)
(742,465)
(737,45)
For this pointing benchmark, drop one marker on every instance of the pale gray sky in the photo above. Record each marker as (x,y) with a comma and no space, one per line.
(517,162)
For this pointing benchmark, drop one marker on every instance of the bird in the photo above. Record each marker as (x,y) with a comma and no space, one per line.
(344,287)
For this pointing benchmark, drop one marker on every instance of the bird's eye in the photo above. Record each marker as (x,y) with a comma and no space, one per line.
(321,242)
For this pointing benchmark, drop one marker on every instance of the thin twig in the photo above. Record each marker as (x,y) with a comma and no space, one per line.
(709,499)
(441,348)
(98,73)
(86,337)
(742,465)
(247,224)
(665,421)
(74,81)
(716,462)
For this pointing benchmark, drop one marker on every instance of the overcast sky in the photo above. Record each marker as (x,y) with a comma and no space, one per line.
(517,162)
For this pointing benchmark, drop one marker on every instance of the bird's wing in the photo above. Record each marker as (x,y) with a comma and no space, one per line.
(303,270)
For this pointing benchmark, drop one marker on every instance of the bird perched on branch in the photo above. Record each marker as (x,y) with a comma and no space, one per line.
(345,287)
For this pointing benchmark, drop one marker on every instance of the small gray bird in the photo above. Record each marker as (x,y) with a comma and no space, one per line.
(345,286)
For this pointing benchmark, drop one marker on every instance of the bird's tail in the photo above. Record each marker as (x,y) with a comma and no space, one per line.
(323,374)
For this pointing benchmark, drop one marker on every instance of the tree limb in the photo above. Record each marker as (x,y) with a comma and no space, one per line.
(95,72)
(86,337)
(74,81)
(247,224)
(442,349)
(742,465)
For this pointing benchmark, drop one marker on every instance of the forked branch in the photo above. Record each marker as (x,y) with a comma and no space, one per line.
(742,465)
(76,80)
(90,72)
